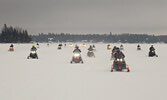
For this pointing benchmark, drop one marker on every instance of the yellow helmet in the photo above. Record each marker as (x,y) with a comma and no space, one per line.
(33,45)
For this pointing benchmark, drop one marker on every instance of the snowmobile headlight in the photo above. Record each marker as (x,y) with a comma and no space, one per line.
(90,51)
(118,59)
(84,45)
(71,45)
(33,52)
(76,55)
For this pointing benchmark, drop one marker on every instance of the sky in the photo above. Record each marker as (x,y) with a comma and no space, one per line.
(86,16)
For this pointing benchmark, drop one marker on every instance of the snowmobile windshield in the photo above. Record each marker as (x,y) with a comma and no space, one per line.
(33,52)
(76,54)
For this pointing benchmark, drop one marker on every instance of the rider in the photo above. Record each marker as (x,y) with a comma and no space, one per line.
(114,49)
(93,46)
(90,48)
(121,46)
(60,45)
(33,48)
(119,54)
(77,50)
(76,46)
(152,48)
(11,45)
(152,51)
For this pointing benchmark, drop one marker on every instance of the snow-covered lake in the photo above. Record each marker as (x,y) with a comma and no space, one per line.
(53,77)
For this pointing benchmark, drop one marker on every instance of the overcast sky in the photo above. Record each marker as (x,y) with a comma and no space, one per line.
(86,16)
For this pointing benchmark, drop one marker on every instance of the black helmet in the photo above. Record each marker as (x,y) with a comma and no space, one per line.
(76,46)
(117,49)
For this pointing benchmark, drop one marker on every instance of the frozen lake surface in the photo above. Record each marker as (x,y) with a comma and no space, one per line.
(53,77)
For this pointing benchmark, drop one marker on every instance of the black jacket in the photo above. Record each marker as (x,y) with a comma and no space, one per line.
(11,45)
(90,48)
(33,49)
(152,48)
(119,55)
(77,51)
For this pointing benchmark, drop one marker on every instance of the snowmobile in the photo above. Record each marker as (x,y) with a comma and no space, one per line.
(59,47)
(48,44)
(77,58)
(71,45)
(152,54)
(84,45)
(11,49)
(37,46)
(119,64)
(94,48)
(33,55)
(138,48)
(121,47)
(90,54)
(108,47)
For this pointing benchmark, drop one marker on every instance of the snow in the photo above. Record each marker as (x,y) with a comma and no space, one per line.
(53,77)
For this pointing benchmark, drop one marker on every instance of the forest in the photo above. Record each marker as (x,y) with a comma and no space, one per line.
(106,38)
(18,35)
(14,35)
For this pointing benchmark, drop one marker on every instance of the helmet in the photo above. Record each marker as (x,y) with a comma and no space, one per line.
(76,46)
(33,45)
(117,49)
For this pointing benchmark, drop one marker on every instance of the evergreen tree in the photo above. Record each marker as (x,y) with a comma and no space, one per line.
(14,35)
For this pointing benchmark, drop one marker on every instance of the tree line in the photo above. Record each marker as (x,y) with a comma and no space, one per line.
(14,35)
(18,35)
(106,38)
